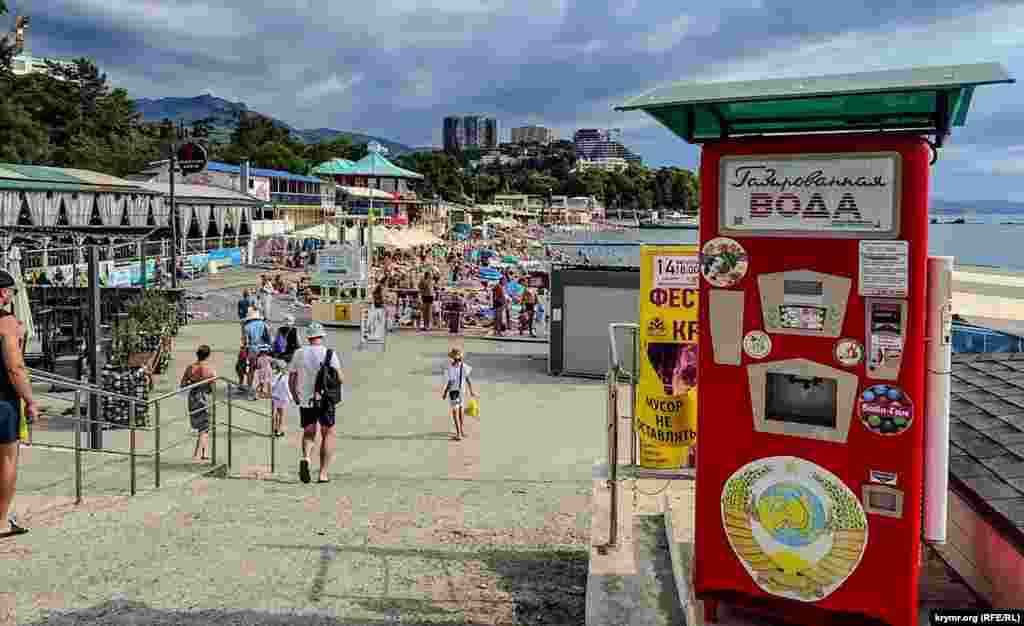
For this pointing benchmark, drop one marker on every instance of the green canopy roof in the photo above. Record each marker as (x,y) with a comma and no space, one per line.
(40,177)
(334,166)
(928,99)
(373,164)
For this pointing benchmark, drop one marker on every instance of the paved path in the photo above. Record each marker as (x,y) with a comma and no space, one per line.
(490,530)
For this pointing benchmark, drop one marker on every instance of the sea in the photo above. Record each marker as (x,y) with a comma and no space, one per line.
(986,238)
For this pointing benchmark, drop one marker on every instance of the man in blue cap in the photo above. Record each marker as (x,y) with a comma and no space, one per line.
(15,388)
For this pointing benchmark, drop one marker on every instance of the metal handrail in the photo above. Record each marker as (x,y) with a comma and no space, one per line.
(80,387)
(616,364)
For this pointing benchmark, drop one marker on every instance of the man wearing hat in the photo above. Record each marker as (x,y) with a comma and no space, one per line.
(15,387)
(305,367)
(256,338)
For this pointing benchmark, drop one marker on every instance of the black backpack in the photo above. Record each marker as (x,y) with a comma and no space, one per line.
(328,383)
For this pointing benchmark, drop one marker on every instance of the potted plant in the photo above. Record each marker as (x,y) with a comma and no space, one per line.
(156,317)
(124,374)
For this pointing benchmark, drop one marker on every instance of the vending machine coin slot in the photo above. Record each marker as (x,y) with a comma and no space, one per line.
(882,500)
(885,335)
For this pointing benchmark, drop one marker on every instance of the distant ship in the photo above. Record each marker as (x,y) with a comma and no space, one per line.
(670,220)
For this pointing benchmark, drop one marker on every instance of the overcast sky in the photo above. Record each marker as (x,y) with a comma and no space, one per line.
(395,68)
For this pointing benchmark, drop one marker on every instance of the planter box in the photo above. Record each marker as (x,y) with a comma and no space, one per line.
(128,381)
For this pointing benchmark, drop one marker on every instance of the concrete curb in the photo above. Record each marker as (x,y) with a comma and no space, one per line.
(687,602)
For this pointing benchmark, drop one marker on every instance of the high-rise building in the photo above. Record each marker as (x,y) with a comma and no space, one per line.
(597,143)
(532,134)
(471,131)
(452,134)
(490,138)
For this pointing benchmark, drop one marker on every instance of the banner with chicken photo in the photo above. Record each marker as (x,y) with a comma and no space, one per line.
(666,411)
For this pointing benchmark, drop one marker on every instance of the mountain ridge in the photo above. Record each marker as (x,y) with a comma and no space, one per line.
(225,114)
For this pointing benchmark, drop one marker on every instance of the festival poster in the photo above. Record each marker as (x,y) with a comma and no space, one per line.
(666,411)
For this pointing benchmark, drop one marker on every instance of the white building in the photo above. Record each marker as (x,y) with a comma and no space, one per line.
(23,64)
(608,164)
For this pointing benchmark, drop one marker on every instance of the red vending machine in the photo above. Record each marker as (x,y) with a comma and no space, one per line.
(814,251)
(813,254)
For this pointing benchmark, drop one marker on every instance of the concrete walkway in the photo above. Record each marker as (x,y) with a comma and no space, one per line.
(490,530)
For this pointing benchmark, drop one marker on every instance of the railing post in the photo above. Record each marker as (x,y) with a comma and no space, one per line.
(633,379)
(156,444)
(273,440)
(78,446)
(213,427)
(131,446)
(613,461)
(230,429)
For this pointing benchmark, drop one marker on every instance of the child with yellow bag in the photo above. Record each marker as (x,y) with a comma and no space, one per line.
(457,376)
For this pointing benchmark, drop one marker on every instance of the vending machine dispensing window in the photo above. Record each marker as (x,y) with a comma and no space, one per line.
(800,400)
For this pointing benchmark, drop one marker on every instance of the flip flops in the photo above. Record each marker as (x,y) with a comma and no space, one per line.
(304,471)
(14,531)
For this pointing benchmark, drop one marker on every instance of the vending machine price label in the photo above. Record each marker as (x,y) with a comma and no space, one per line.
(676,271)
(884,269)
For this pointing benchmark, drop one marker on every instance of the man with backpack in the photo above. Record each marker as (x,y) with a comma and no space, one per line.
(317,382)
(256,338)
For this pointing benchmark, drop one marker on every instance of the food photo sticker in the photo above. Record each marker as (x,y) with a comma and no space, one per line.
(885,409)
(723,262)
(757,344)
(849,352)
(797,529)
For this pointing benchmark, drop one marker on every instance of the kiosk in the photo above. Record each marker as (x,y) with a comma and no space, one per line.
(812,371)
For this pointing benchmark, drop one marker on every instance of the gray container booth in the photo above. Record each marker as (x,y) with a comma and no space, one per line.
(583,302)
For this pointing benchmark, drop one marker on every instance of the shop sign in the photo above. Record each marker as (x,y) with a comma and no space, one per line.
(191,158)
(837,193)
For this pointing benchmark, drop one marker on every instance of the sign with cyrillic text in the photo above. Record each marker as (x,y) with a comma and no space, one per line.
(819,193)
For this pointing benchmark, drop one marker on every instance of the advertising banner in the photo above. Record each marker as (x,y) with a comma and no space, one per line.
(854,192)
(666,396)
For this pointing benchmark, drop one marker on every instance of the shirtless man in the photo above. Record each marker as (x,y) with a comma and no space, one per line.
(14,388)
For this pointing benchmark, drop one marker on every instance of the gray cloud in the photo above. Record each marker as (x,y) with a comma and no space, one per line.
(396,68)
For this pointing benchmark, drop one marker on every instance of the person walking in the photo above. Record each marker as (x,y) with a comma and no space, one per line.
(266,298)
(199,399)
(529,308)
(256,336)
(15,388)
(456,380)
(427,300)
(310,365)
(281,397)
(244,304)
(499,308)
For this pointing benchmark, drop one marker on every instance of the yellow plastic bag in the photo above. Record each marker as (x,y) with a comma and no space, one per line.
(23,424)
(473,408)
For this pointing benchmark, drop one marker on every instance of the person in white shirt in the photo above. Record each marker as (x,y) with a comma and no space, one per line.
(266,297)
(281,397)
(456,381)
(305,367)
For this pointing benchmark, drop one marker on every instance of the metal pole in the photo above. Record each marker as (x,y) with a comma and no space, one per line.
(156,445)
(142,264)
(174,223)
(94,334)
(633,378)
(230,430)
(213,428)
(131,448)
(613,465)
(78,446)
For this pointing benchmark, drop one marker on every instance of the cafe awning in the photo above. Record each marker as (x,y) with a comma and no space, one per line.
(926,100)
